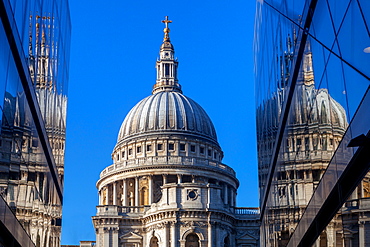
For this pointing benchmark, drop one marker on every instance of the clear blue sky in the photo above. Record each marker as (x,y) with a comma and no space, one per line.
(114,48)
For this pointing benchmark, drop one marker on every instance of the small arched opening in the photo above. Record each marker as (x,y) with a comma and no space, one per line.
(154,242)
(192,240)
(323,239)
(144,196)
(227,241)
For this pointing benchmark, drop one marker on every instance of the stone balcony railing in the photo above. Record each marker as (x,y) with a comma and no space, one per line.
(166,160)
(358,204)
(113,210)
(313,156)
(246,211)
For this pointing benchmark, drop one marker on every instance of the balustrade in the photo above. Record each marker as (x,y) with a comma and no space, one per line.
(246,211)
(165,160)
(109,210)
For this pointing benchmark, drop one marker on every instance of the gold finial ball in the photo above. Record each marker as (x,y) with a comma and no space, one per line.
(166,30)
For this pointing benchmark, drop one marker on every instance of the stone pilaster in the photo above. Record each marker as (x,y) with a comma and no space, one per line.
(115,236)
(106,237)
(361,233)
(173,235)
(210,236)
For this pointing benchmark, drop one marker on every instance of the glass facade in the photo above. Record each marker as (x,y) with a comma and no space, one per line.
(34,58)
(313,110)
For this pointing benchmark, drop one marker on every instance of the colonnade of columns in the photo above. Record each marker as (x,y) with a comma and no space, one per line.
(133,192)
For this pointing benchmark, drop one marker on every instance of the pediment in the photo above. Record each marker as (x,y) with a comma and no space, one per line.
(247,236)
(130,236)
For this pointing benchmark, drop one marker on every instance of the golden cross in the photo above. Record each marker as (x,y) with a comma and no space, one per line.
(166,21)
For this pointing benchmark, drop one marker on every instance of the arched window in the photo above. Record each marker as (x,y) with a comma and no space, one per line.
(154,242)
(192,240)
(323,239)
(144,196)
(227,241)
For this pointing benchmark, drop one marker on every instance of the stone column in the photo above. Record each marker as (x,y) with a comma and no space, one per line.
(173,234)
(179,178)
(225,194)
(124,192)
(97,234)
(114,193)
(115,237)
(361,233)
(234,197)
(44,191)
(107,195)
(164,179)
(317,242)
(150,190)
(330,235)
(106,236)
(210,234)
(216,235)
(232,194)
(165,239)
(136,191)
(208,196)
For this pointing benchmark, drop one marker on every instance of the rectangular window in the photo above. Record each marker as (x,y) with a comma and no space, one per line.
(130,151)
(209,152)
(299,142)
(282,175)
(160,146)
(192,148)
(315,143)
(307,143)
(171,146)
(182,147)
(35,142)
(300,174)
(324,144)
(148,148)
(138,149)
(166,69)
(201,150)
(31,176)
(123,155)
(316,175)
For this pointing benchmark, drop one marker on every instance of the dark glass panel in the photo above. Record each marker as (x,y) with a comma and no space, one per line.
(353,39)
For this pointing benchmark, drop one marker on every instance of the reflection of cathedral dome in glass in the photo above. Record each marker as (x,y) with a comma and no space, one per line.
(317,106)
(311,105)
(165,112)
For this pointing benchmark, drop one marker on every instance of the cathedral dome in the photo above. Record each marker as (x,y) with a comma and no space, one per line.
(167,112)
(166,160)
